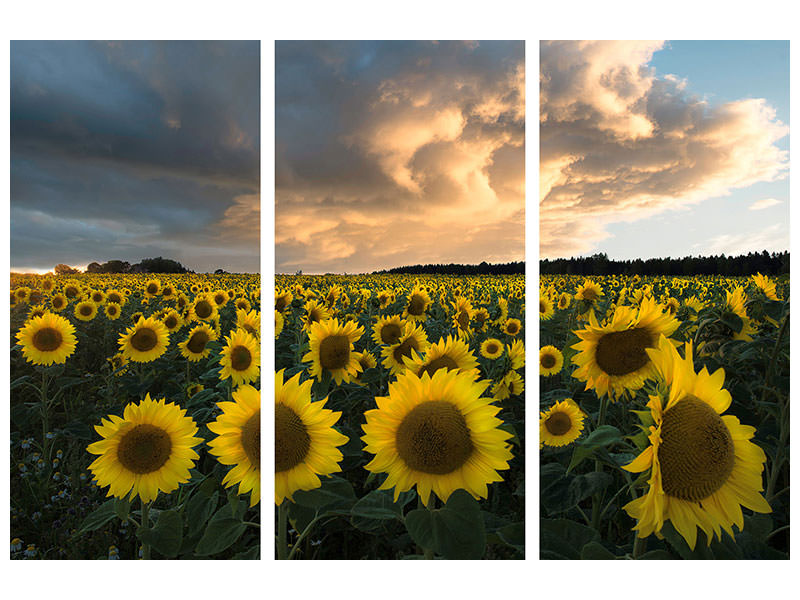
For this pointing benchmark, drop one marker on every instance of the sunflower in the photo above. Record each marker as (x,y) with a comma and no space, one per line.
(413,338)
(152,288)
(315,313)
(561,424)
(366,361)
(612,359)
(145,341)
(85,310)
(112,311)
(703,466)
(242,304)
(735,302)
(492,348)
(147,450)
(22,293)
(331,349)
(564,301)
(203,309)
(451,354)
(512,327)
(388,330)
(249,321)
(172,320)
(588,291)
(195,346)
(551,361)
(168,292)
(97,296)
(305,440)
(511,384)
(546,309)
(462,316)
(481,318)
(437,433)
(279,321)
(241,358)
(36,311)
(516,354)
(765,285)
(418,303)
(238,441)
(220,298)
(47,339)
(118,362)
(72,290)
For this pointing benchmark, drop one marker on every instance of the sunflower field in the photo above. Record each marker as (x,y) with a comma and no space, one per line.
(664,417)
(399,417)
(135,416)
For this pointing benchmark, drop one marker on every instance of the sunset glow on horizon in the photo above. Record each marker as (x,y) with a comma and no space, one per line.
(398,153)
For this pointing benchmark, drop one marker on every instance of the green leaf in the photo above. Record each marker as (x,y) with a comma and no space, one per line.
(732,320)
(455,531)
(334,492)
(19,381)
(122,508)
(253,553)
(103,514)
(603,436)
(221,533)
(657,555)
(166,536)
(596,551)
(198,509)
(513,535)
(373,508)
(563,538)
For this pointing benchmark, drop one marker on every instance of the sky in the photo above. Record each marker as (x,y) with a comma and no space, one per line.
(666,148)
(398,153)
(133,150)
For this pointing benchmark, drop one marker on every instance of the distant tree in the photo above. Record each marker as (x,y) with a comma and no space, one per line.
(94,267)
(158,265)
(62,269)
(116,266)
(220,272)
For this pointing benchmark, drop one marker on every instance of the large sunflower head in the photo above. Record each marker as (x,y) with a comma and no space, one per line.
(451,354)
(241,358)
(47,339)
(145,341)
(195,346)
(437,433)
(703,466)
(412,339)
(147,450)
(238,441)
(561,424)
(613,358)
(331,349)
(152,288)
(203,309)
(114,295)
(305,440)
(417,305)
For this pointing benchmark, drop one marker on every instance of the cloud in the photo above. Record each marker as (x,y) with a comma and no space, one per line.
(764,203)
(392,153)
(618,144)
(157,142)
(774,238)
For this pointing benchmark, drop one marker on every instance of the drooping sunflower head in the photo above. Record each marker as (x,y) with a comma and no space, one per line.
(437,433)
(704,467)
(765,285)
(238,441)
(283,300)
(147,450)
(412,339)
(279,322)
(462,315)
(331,349)
(47,339)
(613,359)
(241,358)
(551,361)
(561,424)
(564,301)
(305,440)
(451,354)
(145,341)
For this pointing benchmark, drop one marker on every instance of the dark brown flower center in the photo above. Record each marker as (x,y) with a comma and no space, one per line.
(281,303)
(86,310)
(292,441)
(203,309)
(144,340)
(512,327)
(589,294)
(390,333)
(491,348)
(251,439)
(334,352)
(558,423)
(623,352)
(463,319)
(405,349)
(114,297)
(58,302)
(152,288)
(416,305)
(47,339)
(171,322)
(442,362)
(696,452)
(434,438)
(144,449)
(548,361)
(241,358)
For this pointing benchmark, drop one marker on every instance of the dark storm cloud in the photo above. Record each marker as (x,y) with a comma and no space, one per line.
(384,150)
(133,149)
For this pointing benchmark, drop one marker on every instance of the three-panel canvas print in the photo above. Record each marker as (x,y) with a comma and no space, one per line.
(403,424)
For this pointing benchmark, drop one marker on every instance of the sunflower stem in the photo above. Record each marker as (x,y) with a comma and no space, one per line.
(45,414)
(283,526)
(145,525)
(597,499)
(639,546)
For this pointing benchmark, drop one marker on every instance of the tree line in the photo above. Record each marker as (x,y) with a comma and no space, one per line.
(775,263)
(148,265)
(483,268)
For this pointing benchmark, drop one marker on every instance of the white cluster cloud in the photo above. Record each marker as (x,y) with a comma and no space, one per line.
(619,143)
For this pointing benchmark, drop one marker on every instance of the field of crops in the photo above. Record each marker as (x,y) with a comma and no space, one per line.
(135,416)
(664,424)
(399,417)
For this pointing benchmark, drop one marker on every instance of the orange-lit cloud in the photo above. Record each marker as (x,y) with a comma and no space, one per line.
(618,144)
(419,159)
